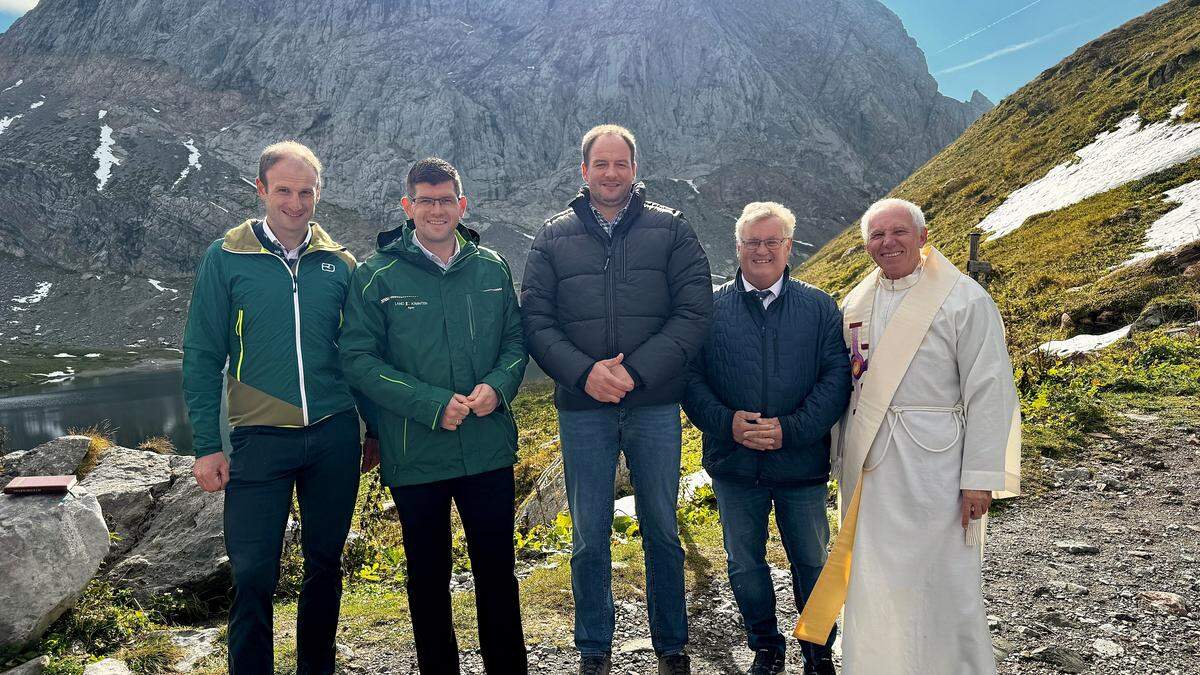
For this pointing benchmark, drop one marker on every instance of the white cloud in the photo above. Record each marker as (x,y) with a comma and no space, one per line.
(17,6)
(1009,49)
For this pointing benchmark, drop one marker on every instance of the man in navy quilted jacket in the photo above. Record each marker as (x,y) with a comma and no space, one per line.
(772,379)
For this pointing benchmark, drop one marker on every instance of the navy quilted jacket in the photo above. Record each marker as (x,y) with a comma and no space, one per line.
(788,361)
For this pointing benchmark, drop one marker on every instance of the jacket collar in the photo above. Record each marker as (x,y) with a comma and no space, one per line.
(581,205)
(398,241)
(242,239)
(739,284)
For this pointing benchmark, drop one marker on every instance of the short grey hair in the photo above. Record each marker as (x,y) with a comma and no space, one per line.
(756,211)
(914,213)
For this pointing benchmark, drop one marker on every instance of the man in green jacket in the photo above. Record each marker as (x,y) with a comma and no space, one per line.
(433,338)
(268,302)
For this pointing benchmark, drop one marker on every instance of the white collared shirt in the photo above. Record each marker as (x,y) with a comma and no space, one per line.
(774,289)
(294,254)
(433,256)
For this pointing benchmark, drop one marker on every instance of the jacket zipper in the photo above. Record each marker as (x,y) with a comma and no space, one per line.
(471,317)
(609,303)
(766,358)
(296,313)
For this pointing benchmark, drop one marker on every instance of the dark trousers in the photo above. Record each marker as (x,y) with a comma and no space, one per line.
(485,504)
(804,528)
(321,463)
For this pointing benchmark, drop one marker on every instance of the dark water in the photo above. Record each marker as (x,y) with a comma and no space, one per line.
(135,404)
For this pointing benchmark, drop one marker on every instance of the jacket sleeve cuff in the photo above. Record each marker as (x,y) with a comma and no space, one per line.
(435,405)
(204,452)
(992,481)
(501,383)
(633,373)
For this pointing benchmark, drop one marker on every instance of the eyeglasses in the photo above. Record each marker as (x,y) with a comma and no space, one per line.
(426,202)
(753,244)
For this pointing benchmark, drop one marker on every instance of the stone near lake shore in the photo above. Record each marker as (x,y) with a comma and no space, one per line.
(181,547)
(59,457)
(128,484)
(50,547)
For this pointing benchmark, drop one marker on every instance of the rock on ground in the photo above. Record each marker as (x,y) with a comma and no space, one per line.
(59,457)
(50,547)
(128,484)
(107,667)
(549,495)
(182,547)
(195,645)
(33,667)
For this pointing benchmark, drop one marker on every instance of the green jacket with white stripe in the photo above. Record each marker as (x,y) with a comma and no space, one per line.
(277,329)
(415,335)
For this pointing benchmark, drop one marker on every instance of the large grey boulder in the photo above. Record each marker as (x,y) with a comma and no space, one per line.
(128,483)
(182,547)
(58,457)
(50,547)
(549,495)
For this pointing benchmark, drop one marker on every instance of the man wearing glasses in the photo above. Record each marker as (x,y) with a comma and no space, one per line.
(770,382)
(433,337)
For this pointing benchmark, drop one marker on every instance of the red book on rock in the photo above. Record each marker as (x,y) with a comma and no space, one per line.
(39,484)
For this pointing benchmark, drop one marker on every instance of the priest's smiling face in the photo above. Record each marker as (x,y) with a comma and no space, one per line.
(895,242)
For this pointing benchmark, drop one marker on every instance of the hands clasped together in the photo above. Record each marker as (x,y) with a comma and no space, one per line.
(756,432)
(609,381)
(482,401)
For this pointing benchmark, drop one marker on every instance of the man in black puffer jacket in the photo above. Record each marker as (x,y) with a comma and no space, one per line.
(772,380)
(615,302)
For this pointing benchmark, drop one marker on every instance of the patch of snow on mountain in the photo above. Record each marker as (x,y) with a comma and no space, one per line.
(1176,227)
(19,83)
(1130,152)
(1082,344)
(40,292)
(36,104)
(193,162)
(6,121)
(159,287)
(105,156)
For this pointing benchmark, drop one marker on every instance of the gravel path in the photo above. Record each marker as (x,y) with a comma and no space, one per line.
(1101,574)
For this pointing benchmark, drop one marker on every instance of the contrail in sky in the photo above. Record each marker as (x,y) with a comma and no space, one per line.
(1010,49)
(973,33)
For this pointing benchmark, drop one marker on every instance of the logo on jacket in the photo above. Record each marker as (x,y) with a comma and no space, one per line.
(405,301)
(328,267)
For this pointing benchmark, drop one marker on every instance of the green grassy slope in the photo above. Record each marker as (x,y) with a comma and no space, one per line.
(1060,262)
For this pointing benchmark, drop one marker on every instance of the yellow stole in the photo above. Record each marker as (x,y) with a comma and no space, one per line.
(874,386)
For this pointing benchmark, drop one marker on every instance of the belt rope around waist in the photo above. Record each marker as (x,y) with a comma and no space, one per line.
(897,415)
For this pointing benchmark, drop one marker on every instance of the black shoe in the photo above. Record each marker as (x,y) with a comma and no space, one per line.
(674,664)
(818,659)
(768,662)
(594,664)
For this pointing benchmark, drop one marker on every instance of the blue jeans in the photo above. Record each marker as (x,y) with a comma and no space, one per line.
(800,515)
(591,442)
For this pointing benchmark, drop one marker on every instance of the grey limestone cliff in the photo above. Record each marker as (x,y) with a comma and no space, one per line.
(820,104)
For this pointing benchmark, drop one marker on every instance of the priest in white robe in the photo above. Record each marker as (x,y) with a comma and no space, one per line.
(932,433)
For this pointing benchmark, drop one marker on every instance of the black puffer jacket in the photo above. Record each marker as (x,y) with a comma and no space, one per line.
(645,292)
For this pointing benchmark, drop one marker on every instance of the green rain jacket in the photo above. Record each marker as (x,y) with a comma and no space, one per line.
(276,328)
(415,335)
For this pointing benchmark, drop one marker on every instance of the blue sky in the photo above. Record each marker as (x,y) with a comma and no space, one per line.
(994,46)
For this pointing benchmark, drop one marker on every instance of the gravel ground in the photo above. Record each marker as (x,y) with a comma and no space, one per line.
(1098,575)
